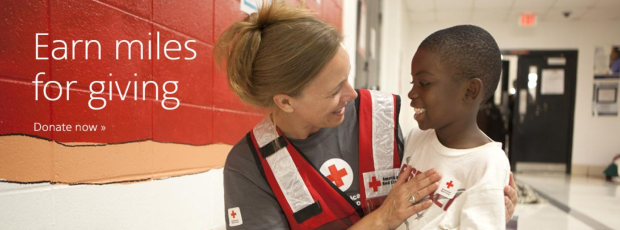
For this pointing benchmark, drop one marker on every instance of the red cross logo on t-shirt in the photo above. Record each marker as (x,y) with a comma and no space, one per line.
(449,184)
(336,175)
(233,214)
(374,184)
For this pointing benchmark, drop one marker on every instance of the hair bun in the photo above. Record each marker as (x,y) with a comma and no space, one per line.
(279,49)
(267,16)
(260,20)
(252,19)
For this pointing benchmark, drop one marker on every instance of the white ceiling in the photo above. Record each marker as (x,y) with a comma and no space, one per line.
(510,10)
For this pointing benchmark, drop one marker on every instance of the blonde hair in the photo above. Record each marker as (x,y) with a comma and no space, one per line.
(280,49)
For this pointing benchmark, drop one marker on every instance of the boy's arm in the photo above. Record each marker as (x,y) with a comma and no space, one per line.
(484,210)
(485,207)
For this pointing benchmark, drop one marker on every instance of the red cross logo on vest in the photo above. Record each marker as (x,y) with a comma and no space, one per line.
(233,214)
(336,175)
(449,184)
(339,172)
(374,184)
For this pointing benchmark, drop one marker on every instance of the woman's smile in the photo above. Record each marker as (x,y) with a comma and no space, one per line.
(339,112)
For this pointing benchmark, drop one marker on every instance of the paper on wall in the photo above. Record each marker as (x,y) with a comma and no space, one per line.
(552,82)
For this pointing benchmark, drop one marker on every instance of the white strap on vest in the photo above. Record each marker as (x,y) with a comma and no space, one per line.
(285,171)
(378,183)
(382,129)
(283,168)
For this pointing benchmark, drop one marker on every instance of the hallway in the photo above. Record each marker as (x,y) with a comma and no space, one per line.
(572,203)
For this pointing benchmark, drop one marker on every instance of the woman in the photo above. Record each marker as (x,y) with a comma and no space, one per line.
(310,172)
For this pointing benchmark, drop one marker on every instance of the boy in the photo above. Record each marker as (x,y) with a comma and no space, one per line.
(454,71)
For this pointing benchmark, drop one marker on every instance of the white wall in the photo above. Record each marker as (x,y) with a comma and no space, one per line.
(595,139)
(389,68)
(349,31)
(184,202)
(394,36)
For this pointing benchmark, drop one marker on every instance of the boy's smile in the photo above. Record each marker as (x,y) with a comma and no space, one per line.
(418,112)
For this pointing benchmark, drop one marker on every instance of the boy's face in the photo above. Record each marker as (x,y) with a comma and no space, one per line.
(436,99)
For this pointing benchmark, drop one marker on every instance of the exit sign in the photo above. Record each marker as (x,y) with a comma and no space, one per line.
(528,20)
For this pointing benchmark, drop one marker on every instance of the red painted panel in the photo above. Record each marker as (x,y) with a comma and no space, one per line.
(293,2)
(332,13)
(127,120)
(338,21)
(226,13)
(230,127)
(195,77)
(88,20)
(191,17)
(339,3)
(19,110)
(186,124)
(328,11)
(223,97)
(19,23)
(315,7)
(141,8)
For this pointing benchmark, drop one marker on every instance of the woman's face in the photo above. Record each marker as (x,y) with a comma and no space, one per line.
(321,104)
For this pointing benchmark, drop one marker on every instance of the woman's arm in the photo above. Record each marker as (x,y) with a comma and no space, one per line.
(248,194)
(252,205)
(510,198)
(396,207)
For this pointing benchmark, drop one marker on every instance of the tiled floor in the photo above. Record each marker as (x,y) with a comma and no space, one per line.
(573,203)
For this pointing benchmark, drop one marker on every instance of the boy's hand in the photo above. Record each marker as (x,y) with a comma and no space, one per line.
(510,198)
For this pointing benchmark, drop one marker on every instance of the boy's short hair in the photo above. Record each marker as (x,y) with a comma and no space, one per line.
(471,52)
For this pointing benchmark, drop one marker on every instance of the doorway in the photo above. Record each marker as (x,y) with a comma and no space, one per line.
(543,103)
(368,44)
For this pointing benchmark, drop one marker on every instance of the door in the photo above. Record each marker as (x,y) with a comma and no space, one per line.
(369,43)
(544,107)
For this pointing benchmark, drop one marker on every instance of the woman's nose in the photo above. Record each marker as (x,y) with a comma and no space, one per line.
(349,93)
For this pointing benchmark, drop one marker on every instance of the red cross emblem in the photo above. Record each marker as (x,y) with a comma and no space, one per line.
(233,214)
(449,184)
(374,184)
(336,175)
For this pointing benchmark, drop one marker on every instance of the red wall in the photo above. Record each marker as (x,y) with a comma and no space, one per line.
(209,112)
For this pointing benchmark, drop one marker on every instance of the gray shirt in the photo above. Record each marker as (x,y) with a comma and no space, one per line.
(247,190)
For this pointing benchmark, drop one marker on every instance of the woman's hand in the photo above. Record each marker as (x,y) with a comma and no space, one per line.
(397,206)
(510,198)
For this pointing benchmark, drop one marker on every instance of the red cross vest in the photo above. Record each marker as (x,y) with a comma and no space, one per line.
(311,201)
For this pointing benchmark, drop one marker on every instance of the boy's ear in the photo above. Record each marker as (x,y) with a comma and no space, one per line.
(283,102)
(474,90)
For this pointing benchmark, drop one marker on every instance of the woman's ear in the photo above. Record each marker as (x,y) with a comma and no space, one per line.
(474,90)
(283,102)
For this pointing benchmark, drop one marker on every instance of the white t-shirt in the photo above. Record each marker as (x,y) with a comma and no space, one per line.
(471,191)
